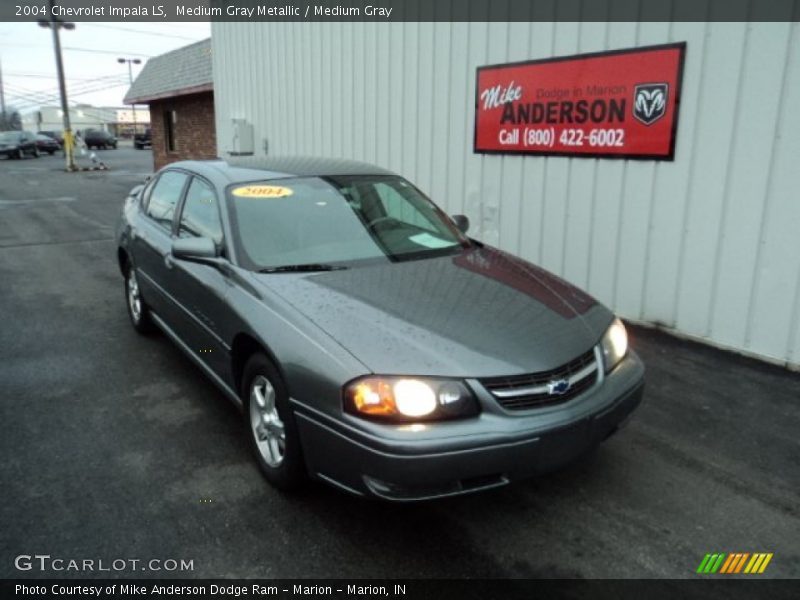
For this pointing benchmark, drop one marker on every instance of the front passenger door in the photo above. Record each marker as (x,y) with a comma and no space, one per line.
(198,287)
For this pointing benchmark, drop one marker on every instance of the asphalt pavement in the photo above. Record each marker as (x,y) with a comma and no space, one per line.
(114,446)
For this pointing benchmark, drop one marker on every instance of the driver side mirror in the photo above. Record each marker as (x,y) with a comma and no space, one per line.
(462,222)
(194,248)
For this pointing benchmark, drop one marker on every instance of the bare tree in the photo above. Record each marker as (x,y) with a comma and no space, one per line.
(10,119)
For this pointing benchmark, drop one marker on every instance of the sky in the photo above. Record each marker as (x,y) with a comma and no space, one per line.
(90,55)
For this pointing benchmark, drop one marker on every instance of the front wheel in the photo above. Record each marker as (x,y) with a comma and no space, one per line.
(271,428)
(137,309)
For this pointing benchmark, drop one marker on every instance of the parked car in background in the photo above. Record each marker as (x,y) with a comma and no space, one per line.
(143,140)
(370,342)
(56,135)
(47,144)
(97,138)
(16,144)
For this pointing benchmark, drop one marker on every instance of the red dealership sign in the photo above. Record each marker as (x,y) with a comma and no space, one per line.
(617,104)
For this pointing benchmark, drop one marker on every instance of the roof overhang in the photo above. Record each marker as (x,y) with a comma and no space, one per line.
(196,89)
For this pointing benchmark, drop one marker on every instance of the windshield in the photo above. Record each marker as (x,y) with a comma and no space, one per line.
(9,136)
(337,220)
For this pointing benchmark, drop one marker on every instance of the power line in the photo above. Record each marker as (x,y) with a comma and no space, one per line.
(142,31)
(96,112)
(86,87)
(34,98)
(77,49)
(18,74)
(92,50)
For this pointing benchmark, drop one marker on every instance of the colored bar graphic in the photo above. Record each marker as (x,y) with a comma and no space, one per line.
(710,563)
(734,563)
(754,562)
(767,558)
(703,563)
(728,563)
(716,564)
(740,564)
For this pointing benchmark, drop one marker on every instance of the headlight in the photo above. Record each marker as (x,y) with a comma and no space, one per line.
(615,344)
(409,399)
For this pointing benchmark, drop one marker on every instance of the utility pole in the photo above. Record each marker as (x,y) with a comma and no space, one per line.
(131,61)
(2,92)
(69,143)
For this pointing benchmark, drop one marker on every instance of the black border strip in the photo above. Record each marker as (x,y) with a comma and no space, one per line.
(670,156)
(436,10)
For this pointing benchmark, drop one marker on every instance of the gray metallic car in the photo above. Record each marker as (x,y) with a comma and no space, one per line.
(370,343)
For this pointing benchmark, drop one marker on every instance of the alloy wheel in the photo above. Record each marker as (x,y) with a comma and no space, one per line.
(134,298)
(268,429)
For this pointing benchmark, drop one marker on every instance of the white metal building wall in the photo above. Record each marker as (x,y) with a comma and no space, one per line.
(708,245)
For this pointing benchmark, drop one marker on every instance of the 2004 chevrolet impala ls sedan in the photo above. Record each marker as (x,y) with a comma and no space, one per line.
(369,341)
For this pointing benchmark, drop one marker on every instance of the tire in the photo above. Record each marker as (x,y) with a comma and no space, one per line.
(51,152)
(138,312)
(270,424)
(20,154)
(36,153)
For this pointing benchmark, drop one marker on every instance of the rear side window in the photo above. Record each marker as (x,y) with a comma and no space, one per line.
(200,216)
(164,197)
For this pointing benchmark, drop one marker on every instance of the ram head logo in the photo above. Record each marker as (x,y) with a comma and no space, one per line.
(650,102)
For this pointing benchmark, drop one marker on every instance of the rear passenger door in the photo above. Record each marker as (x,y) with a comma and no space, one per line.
(151,240)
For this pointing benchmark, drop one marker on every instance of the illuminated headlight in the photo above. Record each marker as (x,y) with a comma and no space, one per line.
(615,344)
(409,399)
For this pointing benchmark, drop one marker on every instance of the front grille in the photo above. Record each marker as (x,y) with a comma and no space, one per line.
(521,392)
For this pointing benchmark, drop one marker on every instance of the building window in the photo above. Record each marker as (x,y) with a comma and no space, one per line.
(170,118)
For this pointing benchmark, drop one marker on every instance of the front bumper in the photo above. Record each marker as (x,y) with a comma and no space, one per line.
(406,463)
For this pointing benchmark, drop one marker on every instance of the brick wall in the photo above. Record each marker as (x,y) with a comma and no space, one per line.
(194,132)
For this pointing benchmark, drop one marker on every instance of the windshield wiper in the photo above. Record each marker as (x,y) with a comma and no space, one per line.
(308,268)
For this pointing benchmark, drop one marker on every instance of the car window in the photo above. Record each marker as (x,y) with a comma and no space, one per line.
(200,216)
(164,197)
(397,207)
(343,219)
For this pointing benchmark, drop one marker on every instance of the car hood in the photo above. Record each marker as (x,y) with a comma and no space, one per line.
(482,313)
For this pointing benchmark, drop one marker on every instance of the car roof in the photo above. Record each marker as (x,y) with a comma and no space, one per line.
(252,168)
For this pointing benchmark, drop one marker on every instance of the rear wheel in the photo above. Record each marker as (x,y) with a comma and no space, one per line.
(137,309)
(36,152)
(20,154)
(271,428)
